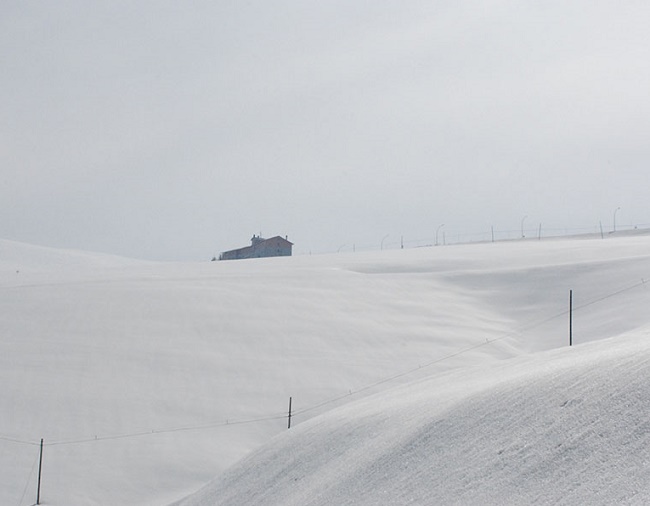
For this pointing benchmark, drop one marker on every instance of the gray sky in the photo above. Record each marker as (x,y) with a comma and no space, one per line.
(176,130)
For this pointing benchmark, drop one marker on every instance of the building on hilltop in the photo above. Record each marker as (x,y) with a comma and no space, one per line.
(259,248)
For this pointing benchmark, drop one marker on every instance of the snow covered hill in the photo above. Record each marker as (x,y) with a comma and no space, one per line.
(564,427)
(147,380)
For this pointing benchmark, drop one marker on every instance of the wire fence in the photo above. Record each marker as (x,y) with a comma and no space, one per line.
(277,416)
(449,236)
(516,332)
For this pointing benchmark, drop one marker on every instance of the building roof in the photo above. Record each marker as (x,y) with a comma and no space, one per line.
(256,243)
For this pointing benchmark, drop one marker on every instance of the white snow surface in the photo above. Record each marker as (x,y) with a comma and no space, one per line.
(567,427)
(437,375)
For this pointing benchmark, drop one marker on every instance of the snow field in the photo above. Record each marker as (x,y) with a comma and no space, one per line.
(562,427)
(175,356)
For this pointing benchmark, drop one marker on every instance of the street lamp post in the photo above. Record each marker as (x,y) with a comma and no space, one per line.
(615,211)
(382,241)
(438,230)
(522,227)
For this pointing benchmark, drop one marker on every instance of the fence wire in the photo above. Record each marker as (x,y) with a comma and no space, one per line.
(234,422)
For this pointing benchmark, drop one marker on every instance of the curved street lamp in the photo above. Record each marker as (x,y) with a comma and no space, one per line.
(438,230)
(381,246)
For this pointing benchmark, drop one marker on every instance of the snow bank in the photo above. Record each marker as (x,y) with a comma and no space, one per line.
(147,380)
(16,256)
(563,427)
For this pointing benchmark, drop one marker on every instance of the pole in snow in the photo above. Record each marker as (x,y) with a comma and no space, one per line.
(289,424)
(40,467)
(570,317)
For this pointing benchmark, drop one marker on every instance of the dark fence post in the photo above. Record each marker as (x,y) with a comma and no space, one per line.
(40,467)
(570,317)
(289,424)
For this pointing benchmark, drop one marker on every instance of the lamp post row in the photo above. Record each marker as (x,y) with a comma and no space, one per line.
(523,233)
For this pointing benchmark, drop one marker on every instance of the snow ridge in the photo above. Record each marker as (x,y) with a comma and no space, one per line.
(567,427)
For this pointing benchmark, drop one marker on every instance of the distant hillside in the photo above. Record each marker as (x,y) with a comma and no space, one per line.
(16,256)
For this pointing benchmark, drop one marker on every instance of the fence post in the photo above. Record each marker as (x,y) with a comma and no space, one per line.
(289,424)
(570,317)
(40,467)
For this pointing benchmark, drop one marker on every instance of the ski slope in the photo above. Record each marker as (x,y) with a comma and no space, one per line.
(148,380)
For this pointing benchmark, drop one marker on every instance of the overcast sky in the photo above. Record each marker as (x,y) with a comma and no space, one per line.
(175,130)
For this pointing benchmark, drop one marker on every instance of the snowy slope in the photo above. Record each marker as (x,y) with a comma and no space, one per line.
(147,380)
(25,259)
(564,427)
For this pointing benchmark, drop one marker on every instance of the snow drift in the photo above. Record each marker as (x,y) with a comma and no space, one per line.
(147,380)
(563,427)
